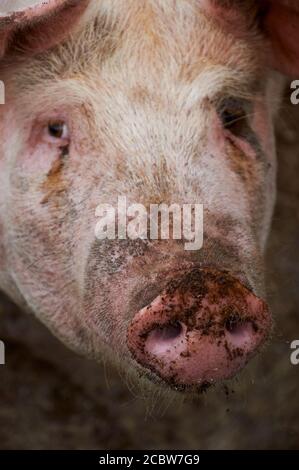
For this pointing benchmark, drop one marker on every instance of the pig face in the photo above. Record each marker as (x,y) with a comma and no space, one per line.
(158,102)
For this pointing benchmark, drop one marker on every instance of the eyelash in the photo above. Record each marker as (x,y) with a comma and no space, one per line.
(231,117)
(232,114)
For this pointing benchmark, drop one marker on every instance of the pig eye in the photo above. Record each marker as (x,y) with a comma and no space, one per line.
(58,130)
(233,114)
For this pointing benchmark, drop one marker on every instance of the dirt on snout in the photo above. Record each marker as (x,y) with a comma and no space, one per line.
(199,307)
(52,399)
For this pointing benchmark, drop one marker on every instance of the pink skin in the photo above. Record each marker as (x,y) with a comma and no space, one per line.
(203,324)
(198,336)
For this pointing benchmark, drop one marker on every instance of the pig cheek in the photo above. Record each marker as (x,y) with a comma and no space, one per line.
(38,172)
(38,158)
(30,220)
(106,302)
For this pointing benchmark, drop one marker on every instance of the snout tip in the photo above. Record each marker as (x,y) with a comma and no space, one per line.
(191,338)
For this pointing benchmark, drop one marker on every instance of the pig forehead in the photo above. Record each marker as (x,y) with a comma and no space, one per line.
(125,39)
(156,35)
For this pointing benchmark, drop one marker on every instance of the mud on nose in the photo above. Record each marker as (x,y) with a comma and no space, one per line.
(202,329)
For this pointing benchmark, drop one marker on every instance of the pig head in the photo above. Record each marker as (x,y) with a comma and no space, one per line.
(161,102)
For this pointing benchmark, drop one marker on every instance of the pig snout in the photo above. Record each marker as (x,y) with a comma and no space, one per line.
(202,329)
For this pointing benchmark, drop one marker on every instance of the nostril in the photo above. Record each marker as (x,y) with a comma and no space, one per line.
(167,332)
(239,331)
(166,339)
(233,323)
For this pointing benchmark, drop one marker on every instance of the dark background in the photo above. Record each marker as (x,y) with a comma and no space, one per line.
(52,399)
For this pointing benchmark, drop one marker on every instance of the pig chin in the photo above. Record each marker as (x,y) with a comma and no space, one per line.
(183,325)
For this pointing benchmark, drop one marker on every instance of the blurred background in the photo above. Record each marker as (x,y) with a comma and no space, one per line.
(52,399)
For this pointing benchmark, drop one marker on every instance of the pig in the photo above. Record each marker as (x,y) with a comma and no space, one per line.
(162,102)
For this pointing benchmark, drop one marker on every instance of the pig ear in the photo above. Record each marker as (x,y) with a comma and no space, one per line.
(278,19)
(281,25)
(31,26)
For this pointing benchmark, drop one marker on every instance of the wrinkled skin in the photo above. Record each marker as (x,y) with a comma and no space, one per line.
(140,87)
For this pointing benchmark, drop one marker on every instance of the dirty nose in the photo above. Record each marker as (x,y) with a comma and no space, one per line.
(203,328)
